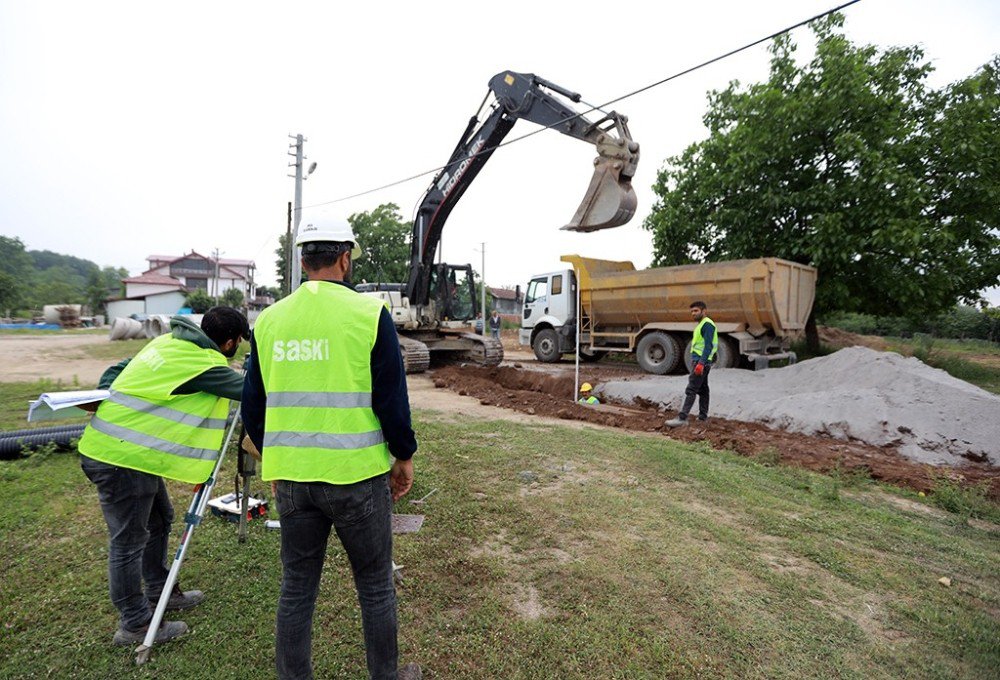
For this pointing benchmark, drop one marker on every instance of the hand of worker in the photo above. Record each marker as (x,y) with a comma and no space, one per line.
(401,478)
(699,368)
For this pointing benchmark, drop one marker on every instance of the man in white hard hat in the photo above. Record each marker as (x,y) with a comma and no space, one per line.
(327,407)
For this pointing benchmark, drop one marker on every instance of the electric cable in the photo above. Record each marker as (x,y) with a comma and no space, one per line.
(599,107)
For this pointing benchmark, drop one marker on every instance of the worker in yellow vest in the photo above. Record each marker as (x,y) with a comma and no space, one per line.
(704,347)
(325,402)
(165,418)
(586,395)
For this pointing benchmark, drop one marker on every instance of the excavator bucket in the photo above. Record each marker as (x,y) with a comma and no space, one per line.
(610,200)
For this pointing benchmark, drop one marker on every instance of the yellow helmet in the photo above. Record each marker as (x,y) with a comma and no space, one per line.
(586,387)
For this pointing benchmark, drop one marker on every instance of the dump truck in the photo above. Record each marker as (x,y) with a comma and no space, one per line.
(759,307)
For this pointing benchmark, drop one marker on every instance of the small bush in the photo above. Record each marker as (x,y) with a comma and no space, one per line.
(969,501)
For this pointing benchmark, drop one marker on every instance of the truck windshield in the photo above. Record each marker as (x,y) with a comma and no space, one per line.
(537,289)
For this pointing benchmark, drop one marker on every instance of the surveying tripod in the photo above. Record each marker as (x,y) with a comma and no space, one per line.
(202,494)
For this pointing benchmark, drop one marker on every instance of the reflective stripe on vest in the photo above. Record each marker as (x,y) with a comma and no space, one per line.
(698,342)
(151,442)
(143,406)
(144,426)
(314,352)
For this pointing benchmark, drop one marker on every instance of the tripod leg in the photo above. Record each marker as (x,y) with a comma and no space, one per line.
(193,518)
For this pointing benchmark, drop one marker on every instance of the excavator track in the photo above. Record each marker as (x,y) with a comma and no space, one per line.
(416,356)
(485,351)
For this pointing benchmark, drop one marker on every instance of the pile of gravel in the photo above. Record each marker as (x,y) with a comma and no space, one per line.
(880,398)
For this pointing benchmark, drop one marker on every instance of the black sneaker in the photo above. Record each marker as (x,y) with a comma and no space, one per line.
(180,599)
(167,632)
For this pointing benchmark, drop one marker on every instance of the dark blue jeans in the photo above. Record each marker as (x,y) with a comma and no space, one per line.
(697,387)
(362,516)
(138,513)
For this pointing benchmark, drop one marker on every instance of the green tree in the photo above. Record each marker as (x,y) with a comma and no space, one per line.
(384,236)
(16,268)
(60,284)
(232,297)
(841,163)
(103,284)
(281,265)
(199,301)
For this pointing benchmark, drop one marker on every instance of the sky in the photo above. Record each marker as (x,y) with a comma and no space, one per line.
(129,129)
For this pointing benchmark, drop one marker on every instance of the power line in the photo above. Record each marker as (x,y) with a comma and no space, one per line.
(600,107)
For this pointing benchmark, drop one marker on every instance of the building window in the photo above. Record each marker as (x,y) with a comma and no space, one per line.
(196,283)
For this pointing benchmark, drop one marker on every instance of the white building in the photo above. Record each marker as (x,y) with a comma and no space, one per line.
(148,294)
(215,277)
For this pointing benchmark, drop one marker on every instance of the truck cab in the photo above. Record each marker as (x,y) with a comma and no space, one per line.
(548,317)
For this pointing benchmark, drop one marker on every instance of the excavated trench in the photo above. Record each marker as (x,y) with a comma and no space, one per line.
(541,393)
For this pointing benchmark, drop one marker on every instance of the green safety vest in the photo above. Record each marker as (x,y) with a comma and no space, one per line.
(144,426)
(589,400)
(314,350)
(698,342)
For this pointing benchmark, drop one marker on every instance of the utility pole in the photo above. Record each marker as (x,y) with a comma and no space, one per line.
(289,253)
(215,284)
(484,287)
(297,150)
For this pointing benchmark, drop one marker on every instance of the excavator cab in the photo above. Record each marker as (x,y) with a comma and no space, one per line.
(453,289)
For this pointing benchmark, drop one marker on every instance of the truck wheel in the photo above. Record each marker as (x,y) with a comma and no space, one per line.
(658,353)
(546,346)
(729,355)
(592,357)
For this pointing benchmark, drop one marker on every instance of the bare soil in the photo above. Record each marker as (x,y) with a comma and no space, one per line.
(523,386)
(27,358)
(547,391)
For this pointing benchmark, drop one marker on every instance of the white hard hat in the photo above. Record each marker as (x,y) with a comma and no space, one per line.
(327,230)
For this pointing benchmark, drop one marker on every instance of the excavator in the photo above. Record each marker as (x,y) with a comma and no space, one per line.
(432,310)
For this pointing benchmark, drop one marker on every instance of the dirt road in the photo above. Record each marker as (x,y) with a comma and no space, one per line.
(27,358)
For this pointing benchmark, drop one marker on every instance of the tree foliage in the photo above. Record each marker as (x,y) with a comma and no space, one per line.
(849,163)
(384,236)
(16,269)
(281,264)
(199,301)
(232,297)
(30,279)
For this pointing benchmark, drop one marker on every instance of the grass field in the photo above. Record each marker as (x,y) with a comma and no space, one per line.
(547,552)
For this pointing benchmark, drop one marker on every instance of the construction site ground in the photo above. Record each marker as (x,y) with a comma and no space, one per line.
(557,542)
(524,387)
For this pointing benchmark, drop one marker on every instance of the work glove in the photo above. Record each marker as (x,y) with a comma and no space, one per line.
(699,369)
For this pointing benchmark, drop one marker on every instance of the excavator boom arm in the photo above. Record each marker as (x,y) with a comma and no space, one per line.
(609,201)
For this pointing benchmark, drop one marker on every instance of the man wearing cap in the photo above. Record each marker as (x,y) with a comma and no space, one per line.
(325,402)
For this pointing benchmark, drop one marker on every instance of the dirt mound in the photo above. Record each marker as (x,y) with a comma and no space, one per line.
(536,393)
(880,398)
(839,339)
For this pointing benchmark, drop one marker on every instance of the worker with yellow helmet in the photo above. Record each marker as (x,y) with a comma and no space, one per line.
(586,396)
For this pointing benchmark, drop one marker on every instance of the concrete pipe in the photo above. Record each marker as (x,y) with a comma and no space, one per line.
(124,329)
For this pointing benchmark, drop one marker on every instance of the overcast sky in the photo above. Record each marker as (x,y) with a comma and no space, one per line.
(133,128)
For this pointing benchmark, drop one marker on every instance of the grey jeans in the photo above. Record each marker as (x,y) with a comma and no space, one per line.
(138,514)
(361,514)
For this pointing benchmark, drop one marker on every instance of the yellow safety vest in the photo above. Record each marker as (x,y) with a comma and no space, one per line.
(314,351)
(143,426)
(698,342)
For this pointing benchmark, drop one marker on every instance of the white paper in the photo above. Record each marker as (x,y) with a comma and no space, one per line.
(59,405)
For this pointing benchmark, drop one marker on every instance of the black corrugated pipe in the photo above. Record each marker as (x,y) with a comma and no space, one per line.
(14,442)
